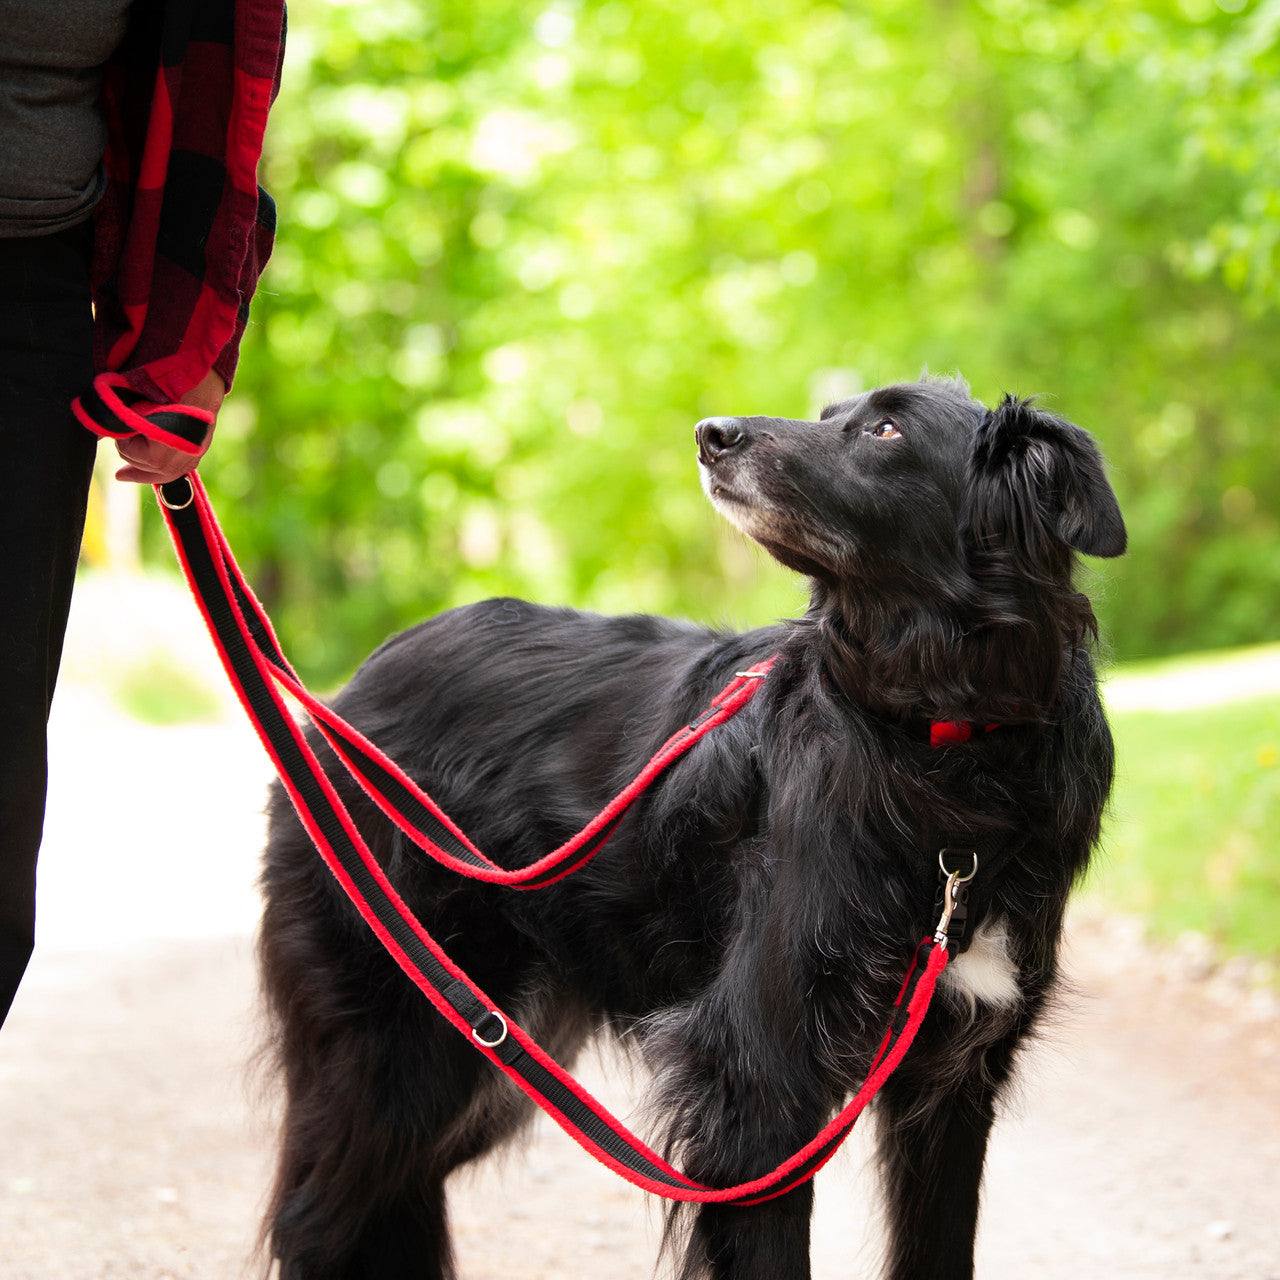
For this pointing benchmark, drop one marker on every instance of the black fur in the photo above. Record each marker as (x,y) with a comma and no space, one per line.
(748,925)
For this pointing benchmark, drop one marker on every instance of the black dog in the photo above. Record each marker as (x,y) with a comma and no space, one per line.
(750,922)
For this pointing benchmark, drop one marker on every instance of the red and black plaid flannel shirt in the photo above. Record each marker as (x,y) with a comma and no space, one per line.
(183,230)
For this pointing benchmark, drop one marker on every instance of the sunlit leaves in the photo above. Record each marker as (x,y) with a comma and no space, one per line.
(525,247)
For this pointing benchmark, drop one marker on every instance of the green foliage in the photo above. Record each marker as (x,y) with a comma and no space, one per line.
(1192,841)
(524,247)
(1235,86)
(158,689)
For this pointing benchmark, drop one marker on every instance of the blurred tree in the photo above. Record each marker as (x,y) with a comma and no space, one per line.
(526,246)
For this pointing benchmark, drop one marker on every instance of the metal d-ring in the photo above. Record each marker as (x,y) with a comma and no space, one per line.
(177,506)
(959,879)
(492,1044)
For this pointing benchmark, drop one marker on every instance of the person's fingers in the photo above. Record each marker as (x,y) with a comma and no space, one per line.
(149,462)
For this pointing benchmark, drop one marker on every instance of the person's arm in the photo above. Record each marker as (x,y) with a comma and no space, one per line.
(179,245)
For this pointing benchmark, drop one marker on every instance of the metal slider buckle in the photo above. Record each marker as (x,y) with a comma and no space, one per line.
(501,1036)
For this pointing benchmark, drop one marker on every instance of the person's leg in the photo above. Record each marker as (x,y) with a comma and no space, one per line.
(46,459)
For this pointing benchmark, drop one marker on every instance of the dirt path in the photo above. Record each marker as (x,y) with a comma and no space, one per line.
(1144,1141)
(1203,682)
(134,1145)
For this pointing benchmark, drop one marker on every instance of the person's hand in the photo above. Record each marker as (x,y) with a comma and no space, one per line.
(150,462)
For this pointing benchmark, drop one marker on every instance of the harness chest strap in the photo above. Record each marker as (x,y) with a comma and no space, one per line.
(257,670)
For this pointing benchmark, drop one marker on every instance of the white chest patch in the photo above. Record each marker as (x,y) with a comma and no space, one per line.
(985,974)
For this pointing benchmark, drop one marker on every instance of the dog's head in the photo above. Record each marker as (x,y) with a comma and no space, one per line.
(915,499)
(908,480)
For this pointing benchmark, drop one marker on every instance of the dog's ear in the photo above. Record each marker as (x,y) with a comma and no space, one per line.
(1032,475)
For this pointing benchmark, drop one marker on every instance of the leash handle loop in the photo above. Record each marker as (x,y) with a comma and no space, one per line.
(112,408)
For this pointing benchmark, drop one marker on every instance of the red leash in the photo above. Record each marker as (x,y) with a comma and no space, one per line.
(259,673)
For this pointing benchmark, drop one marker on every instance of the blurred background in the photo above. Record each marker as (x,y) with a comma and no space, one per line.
(524,247)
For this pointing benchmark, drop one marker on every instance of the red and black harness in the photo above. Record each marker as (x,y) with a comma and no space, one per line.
(261,677)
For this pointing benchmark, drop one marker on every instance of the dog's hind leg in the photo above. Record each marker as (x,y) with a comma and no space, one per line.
(932,1137)
(378,1112)
(402,1240)
(359,1189)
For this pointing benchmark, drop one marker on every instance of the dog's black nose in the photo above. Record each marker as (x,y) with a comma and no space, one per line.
(718,436)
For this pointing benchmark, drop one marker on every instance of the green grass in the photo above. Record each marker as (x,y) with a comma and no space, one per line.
(1193,841)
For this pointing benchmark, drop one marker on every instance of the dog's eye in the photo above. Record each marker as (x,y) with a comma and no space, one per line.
(884,430)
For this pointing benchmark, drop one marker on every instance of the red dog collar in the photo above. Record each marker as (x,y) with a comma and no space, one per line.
(951,733)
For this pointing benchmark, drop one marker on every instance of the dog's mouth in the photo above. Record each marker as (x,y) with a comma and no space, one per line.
(747,509)
(724,495)
(739,503)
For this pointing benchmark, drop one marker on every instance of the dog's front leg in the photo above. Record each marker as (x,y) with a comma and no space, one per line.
(767,1241)
(932,1134)
(743,1105)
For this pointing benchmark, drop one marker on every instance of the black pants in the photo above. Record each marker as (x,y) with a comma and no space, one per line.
(46,459)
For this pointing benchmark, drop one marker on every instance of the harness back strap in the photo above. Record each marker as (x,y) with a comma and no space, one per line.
(257,670)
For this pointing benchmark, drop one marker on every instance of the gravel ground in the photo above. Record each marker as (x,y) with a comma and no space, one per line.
(135,1136)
